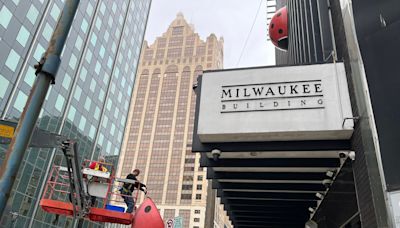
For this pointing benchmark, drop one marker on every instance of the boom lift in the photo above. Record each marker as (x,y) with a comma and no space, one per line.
(69,190)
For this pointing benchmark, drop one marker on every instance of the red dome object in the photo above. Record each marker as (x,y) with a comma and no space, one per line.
(278,29)
(147,216)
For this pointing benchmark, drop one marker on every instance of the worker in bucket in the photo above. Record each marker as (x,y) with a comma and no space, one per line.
(97,165)
(128,188)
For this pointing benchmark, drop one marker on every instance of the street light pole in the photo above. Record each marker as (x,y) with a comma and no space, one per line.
(46,71)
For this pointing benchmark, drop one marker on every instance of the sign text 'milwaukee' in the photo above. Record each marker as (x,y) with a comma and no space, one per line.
(275,96)
(271,90)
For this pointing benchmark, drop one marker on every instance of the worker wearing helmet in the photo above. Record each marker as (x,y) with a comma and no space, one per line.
(97,165)
(128,188)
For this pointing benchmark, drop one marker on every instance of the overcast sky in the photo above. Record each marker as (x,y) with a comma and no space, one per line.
(231,19)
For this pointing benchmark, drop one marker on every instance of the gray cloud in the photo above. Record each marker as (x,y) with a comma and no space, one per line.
(231,19)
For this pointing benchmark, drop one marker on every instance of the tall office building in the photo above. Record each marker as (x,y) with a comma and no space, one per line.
(159,131)
(91,96)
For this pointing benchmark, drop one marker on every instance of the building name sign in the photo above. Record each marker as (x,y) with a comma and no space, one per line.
(275,96)
(275,104)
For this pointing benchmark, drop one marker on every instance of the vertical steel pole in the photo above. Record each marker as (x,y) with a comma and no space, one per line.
(46,71)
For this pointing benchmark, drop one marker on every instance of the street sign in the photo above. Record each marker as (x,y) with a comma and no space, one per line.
(178,222)
(6,131)
(170,223)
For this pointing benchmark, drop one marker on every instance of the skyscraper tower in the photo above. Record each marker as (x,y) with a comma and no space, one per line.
(160,123)
(90,99)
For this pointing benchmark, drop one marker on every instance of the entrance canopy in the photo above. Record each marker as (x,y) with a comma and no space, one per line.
(273,139)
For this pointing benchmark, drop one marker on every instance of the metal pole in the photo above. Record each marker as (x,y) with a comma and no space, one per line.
(46,71)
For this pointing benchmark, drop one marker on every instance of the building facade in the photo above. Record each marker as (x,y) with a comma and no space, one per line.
(91,96)
(352,32)
(297,182)
(160,124)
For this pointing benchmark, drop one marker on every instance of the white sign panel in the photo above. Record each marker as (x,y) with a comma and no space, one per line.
(395,203)
(274,104)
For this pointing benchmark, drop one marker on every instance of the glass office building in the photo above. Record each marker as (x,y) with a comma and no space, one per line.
(91,96)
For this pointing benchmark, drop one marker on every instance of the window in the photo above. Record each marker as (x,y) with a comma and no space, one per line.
(89,9)
(3,86)
(189,51)
(30,76)
(23,36)
(101,94)
(78,92)
(60,103)
(107,36)
(97,113)
(39,52)
(174,53)
(175,42)
(12,60)
(98,23)
(72,61)
(176,31)
(114,7)
(83,74)
(88,56)
(93,39)
(199,187)
(199,178)
(186,196)
(198,196)
(71,113)
(162,42)
(82,123)
(197,211)
(102,51)
(196,219)
(190,40)
(88,103)
(5,16)
(32,14)
(79,43)
(187,187)
(84,25)
(188,168)
(66,81)
(97,68)
(47,31)
(55,12)
(148,54)
(20,101)
(201,50)
(187,178)
(93,85)
(92,132)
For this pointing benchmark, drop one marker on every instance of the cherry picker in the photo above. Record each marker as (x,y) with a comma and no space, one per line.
(69,190)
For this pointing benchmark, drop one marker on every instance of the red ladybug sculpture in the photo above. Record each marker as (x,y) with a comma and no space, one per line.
(278,29)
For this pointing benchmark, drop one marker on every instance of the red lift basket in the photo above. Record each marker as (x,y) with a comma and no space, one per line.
(57,207)
(278,29)
(104,215)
